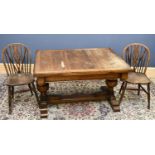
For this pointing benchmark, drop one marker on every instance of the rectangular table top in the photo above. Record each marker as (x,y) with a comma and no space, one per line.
(78,62)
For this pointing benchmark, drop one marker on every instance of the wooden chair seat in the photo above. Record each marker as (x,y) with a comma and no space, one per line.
(137,78)
(19,79)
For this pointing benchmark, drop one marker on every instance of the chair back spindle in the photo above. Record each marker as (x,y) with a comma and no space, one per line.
(137,56)
(16,58)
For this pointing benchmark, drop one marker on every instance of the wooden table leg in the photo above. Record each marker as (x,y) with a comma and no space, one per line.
(112,99)
(43,88)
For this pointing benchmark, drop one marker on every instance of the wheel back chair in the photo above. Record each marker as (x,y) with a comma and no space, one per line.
(138,57)
(16,58)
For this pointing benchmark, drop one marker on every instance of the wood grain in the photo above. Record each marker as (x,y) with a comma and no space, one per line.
(78,62)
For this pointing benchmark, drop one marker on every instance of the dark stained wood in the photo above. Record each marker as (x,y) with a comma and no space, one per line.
(138,57)
(112,99)
(78,64)
(16,58)
(97,96)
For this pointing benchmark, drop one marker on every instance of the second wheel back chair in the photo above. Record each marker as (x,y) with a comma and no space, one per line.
(138,57)
(17,61)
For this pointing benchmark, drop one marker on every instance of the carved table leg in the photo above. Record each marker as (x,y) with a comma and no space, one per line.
(111,98)
(42,88)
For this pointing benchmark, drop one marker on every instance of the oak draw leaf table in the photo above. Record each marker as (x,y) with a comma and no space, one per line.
(78,64)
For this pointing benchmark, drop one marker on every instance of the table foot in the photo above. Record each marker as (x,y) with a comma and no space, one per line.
(114,104)
(111,97)
(43,112)
(43,88)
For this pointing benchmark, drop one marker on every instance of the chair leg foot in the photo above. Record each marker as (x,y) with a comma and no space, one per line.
(10,111)
(10,99)
(148,95)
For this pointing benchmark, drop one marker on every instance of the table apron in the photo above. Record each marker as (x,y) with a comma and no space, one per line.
(85,77)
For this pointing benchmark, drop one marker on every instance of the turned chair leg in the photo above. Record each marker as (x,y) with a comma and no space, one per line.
(12,92)
(138,89)
(10,99)
(148,95)
(121,87)
(30,89)
(35,92)
(123,91)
